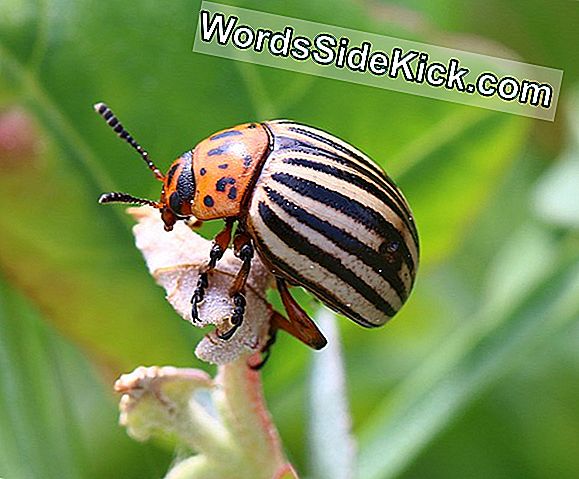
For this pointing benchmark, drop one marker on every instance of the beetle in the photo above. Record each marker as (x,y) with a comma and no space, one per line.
(320,214)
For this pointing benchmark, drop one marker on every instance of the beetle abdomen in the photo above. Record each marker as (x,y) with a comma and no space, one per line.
(327,217)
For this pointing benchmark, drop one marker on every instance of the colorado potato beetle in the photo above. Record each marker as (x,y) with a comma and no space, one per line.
(319,212)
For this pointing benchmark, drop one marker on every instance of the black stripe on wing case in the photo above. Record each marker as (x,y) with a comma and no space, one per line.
(360,182)
(300,244)
(343,149)
(346,242)
(348,206)
(326,296)
(296,144)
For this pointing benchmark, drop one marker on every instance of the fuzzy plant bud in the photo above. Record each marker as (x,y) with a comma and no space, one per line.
(175,258)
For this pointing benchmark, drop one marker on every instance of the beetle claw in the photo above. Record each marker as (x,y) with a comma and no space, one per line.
(194,310)
(236,318)
(266,350)
(227,335)
(239,310)
(198,296)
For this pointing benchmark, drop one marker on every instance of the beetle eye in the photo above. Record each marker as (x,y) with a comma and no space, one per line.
(175,203)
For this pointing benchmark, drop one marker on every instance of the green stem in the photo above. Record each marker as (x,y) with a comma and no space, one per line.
(242,407)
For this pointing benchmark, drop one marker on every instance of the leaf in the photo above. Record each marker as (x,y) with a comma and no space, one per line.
(557,194)
(34,414)
(79,265)
(332,447)
(485,349)
(466,154)
(56,419)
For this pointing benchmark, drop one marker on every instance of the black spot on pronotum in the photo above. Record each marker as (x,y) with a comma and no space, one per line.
(232,193)
(223,182)
(247,161)
(202,171)
(225,134)
(220,149)
(208,201)
(223,166)
(253,125)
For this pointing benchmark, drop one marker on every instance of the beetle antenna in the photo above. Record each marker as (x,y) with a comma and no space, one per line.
(116,197)
(103,110)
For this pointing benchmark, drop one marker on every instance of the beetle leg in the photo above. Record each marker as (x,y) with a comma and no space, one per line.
(313,338)
(236,318)
(220,244)
(298,324)
(266,350)
(243,248)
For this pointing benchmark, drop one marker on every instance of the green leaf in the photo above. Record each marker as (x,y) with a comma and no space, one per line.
(557,194)
(486,348)
(34,413)
(56,420)
(467,153)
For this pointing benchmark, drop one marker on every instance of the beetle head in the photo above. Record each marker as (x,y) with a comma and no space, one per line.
(178,191)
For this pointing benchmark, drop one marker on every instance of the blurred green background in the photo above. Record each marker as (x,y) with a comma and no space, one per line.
(477,377)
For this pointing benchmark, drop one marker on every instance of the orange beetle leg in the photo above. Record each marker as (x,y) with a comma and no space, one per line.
(299,324)
(220,244)
(243,248)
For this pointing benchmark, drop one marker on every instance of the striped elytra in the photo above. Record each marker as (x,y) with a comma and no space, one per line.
(319,213)
(326,217)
